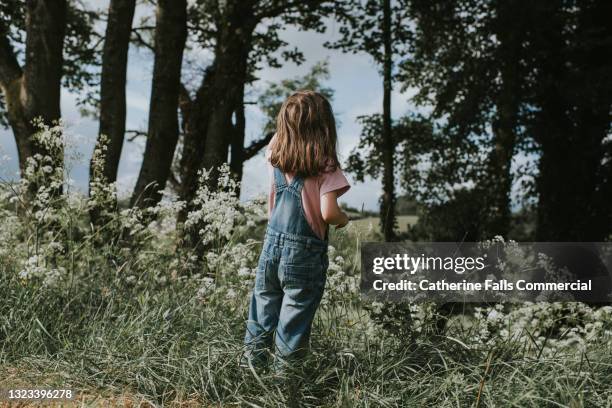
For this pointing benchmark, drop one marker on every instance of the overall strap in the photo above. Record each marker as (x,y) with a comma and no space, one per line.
(288,215)
(280,182)
(297,183)
(279,179)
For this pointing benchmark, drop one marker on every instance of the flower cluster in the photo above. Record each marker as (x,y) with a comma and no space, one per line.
(35,269)
(341,286)
(551,326)
(230,259)
(218,213)
(102,194)
(46,168)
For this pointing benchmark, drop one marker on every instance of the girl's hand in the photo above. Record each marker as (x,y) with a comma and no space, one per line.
(343,223)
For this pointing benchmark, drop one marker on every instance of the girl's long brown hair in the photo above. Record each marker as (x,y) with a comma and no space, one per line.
(305,141)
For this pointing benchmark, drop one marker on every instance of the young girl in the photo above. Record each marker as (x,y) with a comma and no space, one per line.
(306,182)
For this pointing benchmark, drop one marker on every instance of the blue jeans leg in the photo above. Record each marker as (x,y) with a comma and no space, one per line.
(264,313)
(297,313)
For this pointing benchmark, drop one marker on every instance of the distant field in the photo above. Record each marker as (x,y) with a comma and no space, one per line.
(403,221)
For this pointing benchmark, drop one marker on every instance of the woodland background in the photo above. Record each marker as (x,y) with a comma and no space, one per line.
(493,126)
(507,130)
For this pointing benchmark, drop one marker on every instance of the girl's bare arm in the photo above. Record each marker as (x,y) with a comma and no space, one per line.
(332,214)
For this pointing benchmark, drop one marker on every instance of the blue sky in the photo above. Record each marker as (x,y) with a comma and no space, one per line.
(354,78)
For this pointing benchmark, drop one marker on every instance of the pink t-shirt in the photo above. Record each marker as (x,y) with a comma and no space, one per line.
(314,188)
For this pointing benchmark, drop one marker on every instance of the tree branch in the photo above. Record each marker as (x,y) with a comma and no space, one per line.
(257,145)
(139,39)
(135,133)
(284,7)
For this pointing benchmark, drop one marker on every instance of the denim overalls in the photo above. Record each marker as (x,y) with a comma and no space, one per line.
(289,281)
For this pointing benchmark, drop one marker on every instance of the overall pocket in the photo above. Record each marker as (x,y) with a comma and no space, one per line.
(302,276)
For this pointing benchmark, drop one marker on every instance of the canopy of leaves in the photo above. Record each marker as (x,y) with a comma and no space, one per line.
(419,145)
(275,94)
(466,57)
(272,17)
(361,28)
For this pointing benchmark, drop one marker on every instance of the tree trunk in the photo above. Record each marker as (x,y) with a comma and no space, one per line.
(498,182)
(34,91)
(230,75)
(195,123)
(11,79)
(387,205)
(573,121)
(112,97)
(240,153)
(209,129)
(170,36)
(499,176)
(237,145)
(237,161)
(112,84)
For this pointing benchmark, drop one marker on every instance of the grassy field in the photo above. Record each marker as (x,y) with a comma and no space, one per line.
(126,314)
(161,346)
(403,222)
(152,342)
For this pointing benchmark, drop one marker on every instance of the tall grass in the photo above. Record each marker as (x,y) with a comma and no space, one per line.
(161,345)
(137,318)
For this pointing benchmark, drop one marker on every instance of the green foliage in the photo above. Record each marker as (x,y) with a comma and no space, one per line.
(275,94)
(455,220)
(82,55)
(507,80)
(415,143)
(12,23)
(270,18)
(360,28)
(406,206)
